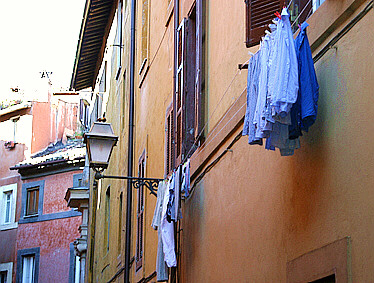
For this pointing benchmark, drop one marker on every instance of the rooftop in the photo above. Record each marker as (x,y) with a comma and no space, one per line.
(72,151)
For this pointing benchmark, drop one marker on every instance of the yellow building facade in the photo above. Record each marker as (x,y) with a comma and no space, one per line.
(252,216)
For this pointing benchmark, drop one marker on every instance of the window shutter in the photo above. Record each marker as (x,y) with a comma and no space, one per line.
(189,90)
(180,89)
(198,81)
(140,215)
(259,14)
(169,135)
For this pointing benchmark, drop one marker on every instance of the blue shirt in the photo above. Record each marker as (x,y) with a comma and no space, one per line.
(304,111)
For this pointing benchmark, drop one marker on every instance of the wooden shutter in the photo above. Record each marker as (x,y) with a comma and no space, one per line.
(259,14)
(140,215)
(189,89)
(169,136)
(198,80)
(180,92)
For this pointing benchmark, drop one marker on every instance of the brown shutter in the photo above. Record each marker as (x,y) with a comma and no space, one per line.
(140,215)
(169,146)
(189,90)
(180,89)
(259,14)
(199,47)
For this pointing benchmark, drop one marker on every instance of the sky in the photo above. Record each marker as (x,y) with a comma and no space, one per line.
(37,35)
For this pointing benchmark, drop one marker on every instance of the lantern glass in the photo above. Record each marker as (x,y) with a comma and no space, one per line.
(100,142)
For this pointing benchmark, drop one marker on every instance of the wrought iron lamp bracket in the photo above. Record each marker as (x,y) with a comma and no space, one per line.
(150,183)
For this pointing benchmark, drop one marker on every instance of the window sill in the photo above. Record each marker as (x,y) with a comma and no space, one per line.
(30,216)
(8,226)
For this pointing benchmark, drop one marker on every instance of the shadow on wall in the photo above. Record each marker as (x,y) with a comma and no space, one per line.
(310,189)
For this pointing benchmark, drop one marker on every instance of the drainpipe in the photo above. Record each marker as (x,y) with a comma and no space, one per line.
(175,78)
(130,151)
(176,25)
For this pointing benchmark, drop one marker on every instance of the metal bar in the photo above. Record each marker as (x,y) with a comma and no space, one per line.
(150,183)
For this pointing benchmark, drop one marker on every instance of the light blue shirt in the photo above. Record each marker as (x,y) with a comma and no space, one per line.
(283,76)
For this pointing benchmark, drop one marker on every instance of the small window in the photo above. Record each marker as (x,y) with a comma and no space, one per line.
(32,201)
(144,35)
(6,270)
(28,269)
(107,219)
(77,269)
(3,276)
(119,37)
(327,279)
(140,215)
(316,4)
(8,206)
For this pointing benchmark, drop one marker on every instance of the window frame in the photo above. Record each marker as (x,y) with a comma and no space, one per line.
(4,190)
(140,205)
(119,39)
(25,188)
(34,192)
(21,254)
(8,268)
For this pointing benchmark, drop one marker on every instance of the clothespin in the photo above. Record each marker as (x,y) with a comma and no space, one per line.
(299,26)
(278,15)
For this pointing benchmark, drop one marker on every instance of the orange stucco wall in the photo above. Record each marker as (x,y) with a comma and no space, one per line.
(254,212)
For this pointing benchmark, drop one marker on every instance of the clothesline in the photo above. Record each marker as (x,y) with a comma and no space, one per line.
(228,111)
(211,115)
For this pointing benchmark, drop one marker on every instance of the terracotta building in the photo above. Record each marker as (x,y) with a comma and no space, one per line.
(177,91)
(38,165)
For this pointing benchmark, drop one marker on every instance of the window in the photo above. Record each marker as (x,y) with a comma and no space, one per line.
(107,220)
(28,265)
(169,138)
(327,279)
(260,13)
(120,223)
(119,37)
(84,113)
(144,35)
(140,215)
(316,4)
(78,180)
(8,199)
(74,265)
(184,118)
(28,269)
(32,202)
(77,269)
(327,264)
(6,270)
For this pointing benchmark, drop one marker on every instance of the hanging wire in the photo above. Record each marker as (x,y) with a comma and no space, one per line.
(193,157)
(214,110)
(289,4)
(302,11)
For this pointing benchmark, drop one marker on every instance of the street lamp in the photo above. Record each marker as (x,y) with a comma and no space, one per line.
(100,142)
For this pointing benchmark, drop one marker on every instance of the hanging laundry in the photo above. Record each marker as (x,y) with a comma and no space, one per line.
(283,74)
(276,84)
(304,111)
(185,187)
(173,212)
(252,94)
(167,229)
(161,267)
